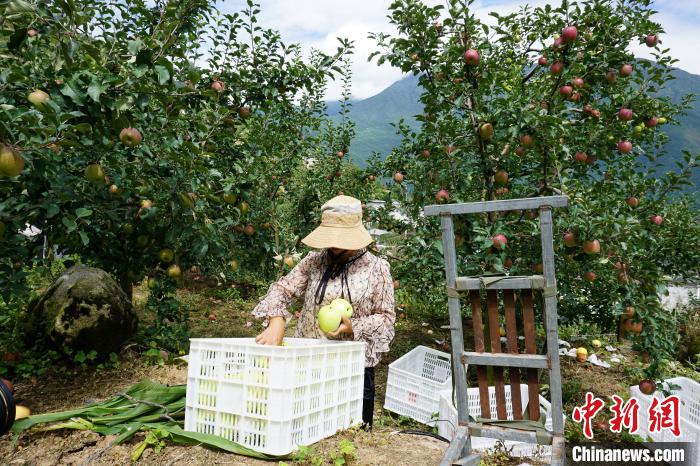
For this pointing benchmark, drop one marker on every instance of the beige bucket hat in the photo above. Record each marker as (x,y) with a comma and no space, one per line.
(341,226)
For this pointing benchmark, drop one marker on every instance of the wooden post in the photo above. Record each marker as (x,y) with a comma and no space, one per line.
(550,310)
(458,370)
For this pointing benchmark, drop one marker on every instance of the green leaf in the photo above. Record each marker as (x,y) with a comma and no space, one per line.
(163,74)
(134,46)
(69,224)
(84,238)
(95,90)
(82,212)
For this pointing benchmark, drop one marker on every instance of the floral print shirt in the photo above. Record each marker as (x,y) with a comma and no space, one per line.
(371,292)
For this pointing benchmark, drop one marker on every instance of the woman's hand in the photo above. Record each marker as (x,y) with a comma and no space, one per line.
(344,327)
(274,333)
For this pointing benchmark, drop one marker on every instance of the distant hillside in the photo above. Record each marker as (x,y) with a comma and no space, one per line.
(373,117)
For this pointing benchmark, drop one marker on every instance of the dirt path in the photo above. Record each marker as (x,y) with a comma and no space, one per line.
(382,447)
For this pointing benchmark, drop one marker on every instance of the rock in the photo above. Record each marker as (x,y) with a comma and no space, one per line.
(84,309)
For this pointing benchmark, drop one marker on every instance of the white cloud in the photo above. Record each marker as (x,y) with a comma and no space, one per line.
(317,24)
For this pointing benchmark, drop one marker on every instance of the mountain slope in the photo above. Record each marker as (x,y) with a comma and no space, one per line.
(373,118)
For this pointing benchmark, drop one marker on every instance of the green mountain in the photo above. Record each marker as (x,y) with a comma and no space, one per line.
(374,116)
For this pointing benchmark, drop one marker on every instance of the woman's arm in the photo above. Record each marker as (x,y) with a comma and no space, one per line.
(275,303)
(378,327)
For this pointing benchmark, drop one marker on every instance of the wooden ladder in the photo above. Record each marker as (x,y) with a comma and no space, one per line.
(459,451)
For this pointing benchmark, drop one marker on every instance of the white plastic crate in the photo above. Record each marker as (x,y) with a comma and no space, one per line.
(415,381)
(689,393)
(274,398)
(447,420)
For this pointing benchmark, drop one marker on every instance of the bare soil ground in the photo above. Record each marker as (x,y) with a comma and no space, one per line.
(384,446)
(63,390)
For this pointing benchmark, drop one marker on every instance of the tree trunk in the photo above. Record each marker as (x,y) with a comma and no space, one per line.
(126,285)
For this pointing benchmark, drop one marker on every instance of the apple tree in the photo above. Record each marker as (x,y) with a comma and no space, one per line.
(542,101)
(140,137)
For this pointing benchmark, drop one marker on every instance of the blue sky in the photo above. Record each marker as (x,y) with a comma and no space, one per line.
(317,23)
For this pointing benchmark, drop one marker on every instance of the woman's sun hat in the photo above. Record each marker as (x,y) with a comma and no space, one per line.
(341,226)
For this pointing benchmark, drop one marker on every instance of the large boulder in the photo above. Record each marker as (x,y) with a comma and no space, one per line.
(84,309)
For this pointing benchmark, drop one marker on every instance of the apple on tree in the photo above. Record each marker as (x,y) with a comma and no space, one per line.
(471,57)
(591,247)
(499,241)
(569,33)
(130,137)
(11,163)
(442,196)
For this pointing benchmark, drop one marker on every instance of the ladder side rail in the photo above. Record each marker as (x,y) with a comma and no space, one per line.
(550,309)
(456,334)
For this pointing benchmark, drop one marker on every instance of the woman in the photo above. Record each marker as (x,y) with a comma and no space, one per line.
(341,268)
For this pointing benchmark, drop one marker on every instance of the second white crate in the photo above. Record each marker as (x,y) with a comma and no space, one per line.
(447,420)
(415,381)
(273,398)
(688,392)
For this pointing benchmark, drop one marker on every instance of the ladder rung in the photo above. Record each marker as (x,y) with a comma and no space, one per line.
(536,361)
(534,282)
(505,433)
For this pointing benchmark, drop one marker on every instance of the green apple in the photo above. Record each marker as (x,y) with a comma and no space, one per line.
(342,306)
(328,319)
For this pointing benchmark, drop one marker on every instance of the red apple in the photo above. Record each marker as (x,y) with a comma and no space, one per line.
(625,114)
(657,219)
(624,146)
(527,140)
(557,67)
(371,177)
(565,91)
(588,109)
(556,45)
(499,241)
(130,137)
(651,40)
(626,69)
(581,157)
(244,112)
(591,247)
(651,122)
(341,154)
(520,151)
(508,263)
(217,85)
(542,61)
(633,327)
(425,153)
(570,239)
(31,32)
(590,160)
(501,177)
(595,113)
(486,131)
(212,317)
(398,177)
(569,33)
(249,230)
(578,82)
(471,57)
(647,386)
(590,276)
(610,77)
(575,97)
(442,196)
(633,202)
